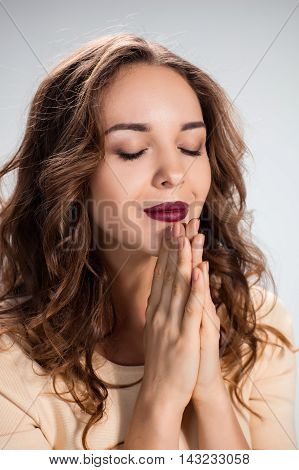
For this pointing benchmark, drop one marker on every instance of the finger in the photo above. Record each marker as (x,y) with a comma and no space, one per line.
(181,285)
(171,267)
(179,229)
(193,312)
(192,228)
(155,294)
(197,249)
(210,319)
(169,272)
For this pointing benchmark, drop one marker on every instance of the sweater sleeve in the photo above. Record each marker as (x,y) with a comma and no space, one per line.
(19,422)
(273,391)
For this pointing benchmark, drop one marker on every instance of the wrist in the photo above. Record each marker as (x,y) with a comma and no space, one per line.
(153,425)
(216,394)
(158,405)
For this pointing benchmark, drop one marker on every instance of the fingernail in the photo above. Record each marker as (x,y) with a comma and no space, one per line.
(197,224)
(207,266)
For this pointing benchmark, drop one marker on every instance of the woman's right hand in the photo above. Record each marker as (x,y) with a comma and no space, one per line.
(172,323)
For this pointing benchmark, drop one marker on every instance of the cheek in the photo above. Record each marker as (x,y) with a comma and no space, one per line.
(200,182)
(105,185)
(205,177)
(106,194)
(116,181)
(201,178)
(114,204)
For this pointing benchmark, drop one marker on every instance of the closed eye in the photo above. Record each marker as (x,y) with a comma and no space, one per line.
(134,156)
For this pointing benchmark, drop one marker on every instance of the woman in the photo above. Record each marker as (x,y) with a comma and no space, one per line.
(109,313)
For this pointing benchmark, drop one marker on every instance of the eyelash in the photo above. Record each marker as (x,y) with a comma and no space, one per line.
(134,156)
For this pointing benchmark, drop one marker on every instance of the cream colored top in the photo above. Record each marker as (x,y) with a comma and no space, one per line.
(32,419)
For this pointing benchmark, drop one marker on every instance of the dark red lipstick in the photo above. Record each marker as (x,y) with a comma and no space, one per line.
(168,211)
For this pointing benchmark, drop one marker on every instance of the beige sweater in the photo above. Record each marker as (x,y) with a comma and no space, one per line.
(32,419)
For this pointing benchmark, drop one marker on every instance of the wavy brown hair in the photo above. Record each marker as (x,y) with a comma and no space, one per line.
(61,291)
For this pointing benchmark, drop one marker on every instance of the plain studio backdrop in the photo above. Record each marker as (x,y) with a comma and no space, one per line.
(249,47)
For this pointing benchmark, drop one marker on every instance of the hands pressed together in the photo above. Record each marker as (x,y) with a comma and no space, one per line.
(209,374)
(182,329)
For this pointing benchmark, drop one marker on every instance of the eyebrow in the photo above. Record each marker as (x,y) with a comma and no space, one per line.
(145,127)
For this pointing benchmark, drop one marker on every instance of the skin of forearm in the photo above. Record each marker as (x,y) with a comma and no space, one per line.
(218,427)
(154,425)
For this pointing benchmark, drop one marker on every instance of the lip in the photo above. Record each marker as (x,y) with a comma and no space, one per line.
(168,211)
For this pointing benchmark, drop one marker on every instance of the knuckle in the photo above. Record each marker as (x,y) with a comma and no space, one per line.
(184,269)
(158,271)
(198,243)
(194,288)
(171,333)
(148,313)
(189,310)
(157,321)
(177,289)
(187,278)
(168,275)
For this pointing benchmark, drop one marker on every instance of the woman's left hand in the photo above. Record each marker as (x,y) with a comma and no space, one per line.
(209,380)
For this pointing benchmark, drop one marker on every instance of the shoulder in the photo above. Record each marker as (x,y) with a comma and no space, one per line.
(273,319)
(272,387)
(10,349)
(19,374)
(19,386)
(12,356)
(271,310)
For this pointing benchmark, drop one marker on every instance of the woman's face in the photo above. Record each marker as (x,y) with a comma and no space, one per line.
(162,101)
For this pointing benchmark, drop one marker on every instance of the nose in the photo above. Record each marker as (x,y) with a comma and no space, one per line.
(170,170)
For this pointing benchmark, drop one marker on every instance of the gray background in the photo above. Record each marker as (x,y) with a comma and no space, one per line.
(249,47)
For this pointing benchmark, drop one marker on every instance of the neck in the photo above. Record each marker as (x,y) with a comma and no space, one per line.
(131,276)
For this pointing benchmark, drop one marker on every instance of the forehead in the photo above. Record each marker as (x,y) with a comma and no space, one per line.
(149,93)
